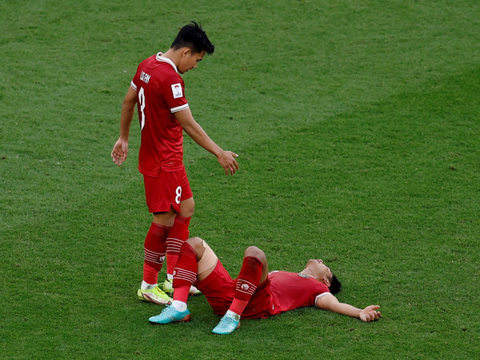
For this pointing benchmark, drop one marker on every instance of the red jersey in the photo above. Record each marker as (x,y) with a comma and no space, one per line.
(291,291)
(160,92)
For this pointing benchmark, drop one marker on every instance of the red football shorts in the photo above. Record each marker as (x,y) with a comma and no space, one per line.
(219,289)
(167,190)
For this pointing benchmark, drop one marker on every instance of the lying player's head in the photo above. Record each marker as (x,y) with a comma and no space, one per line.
(324,274)
(335,285)
(193,37)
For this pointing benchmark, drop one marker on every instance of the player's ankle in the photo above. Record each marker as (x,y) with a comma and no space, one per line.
(147,286)
(179,305)
(233,314)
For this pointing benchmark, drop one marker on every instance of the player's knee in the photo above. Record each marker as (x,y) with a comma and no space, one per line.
(187,208)
(195,243)
(255,252)
(189,212)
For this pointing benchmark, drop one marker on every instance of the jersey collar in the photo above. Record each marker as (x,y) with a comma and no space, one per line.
(167,60)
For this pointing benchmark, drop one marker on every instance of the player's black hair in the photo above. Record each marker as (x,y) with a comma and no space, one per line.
(193,37)
(335,285)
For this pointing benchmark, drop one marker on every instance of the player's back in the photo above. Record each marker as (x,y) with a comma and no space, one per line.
(160,93)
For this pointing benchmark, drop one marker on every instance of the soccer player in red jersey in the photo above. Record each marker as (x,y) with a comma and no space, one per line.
(256,293)
(159,93)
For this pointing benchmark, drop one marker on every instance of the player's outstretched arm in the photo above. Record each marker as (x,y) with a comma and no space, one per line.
(331,303)
(225,158)
(370,313)
(120,149)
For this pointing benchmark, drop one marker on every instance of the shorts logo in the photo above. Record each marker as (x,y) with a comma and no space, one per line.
(245,287)
(177,91)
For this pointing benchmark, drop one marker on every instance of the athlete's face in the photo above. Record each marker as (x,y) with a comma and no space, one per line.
(318,269)
(189,61)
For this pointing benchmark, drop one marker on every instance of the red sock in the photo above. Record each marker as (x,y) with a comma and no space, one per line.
(185,273)
(237,306)
(155,246)
(247,283)
(176,237)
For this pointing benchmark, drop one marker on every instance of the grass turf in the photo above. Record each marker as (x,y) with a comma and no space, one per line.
(357,128)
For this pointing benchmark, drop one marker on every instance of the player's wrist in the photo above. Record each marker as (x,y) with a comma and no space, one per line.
(218,152)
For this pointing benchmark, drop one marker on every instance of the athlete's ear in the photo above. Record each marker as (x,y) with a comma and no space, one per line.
(186,52)
(326,281)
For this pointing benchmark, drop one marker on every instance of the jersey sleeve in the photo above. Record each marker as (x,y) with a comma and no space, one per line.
(319,296)
(173,92)
(135,81)
(133,85)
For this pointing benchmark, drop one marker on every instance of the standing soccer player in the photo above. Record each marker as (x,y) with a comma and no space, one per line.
(163,112)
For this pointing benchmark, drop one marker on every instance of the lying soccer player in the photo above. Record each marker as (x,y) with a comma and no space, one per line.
(255,293)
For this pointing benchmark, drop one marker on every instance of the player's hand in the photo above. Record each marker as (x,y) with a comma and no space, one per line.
(227,160)
(120,152)
(370,313)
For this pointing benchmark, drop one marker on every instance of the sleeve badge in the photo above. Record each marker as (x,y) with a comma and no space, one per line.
(177,91)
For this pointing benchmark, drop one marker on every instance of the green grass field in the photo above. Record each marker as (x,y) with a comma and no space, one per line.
(357,125)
